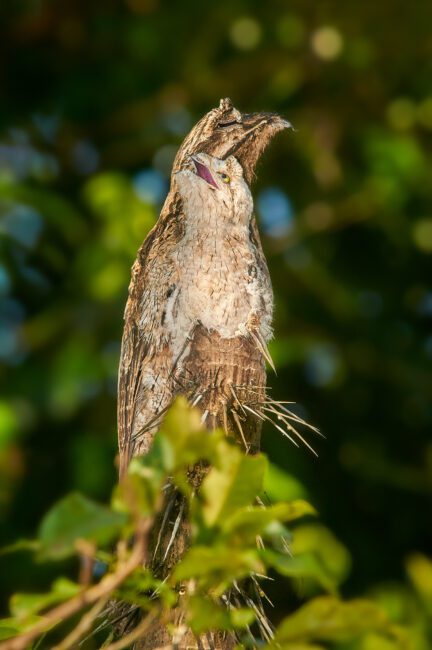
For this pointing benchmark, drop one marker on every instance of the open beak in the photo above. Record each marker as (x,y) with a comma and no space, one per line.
(204,172)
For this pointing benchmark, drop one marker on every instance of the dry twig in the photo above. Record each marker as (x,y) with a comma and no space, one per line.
(88,596)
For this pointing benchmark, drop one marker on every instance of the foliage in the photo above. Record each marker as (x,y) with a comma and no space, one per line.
(233,539)
(96,97)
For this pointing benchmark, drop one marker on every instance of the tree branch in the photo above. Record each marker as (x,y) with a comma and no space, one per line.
(89,596)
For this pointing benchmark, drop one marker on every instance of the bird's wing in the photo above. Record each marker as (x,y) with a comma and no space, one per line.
(132,358)
(144,370)
(261,260)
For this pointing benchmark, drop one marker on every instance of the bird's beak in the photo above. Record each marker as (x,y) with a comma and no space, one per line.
(204,172)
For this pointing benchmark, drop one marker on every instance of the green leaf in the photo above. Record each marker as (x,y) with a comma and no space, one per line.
(232,486)
(328,619)
(244,525)
(205,614)
(140,490)
(153,459)
(306,566)
(140,588)
(397,600)
(242,617)
(217,567)
(20,545)
(76,517)
(297,646)
(10,627)
(280,486)
(185,441)
(419,569)
(314,538)
(379,642)
(24,605)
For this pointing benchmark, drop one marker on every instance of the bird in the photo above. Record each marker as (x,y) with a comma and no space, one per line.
(197,323)
(170,345)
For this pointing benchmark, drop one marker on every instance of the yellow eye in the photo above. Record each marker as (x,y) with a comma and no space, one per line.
(225,178)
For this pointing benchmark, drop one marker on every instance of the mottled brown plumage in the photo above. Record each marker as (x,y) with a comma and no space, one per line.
(197,321)
(148,375)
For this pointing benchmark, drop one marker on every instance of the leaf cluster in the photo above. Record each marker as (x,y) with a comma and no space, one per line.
(238,535)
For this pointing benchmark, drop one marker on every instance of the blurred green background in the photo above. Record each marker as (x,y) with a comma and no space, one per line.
(95,98)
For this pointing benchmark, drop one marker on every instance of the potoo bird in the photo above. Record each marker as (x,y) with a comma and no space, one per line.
(198,315)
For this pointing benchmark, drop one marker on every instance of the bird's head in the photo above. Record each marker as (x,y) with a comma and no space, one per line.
(209,183)
(224,132)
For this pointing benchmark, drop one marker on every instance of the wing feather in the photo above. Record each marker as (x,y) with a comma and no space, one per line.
(143,382)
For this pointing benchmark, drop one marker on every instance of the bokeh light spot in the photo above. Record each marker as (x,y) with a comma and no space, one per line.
(276,212)
(327,169)
(401,114)
(424,305)
(319,216)
(5,282)
(422,235)
(322,365)
(23,224)
(47,125)
(327,43)
(108,281)
(177,120)
(245,33)
(9,343)
(424,113)
(150,186)
(8,423)
(85,157)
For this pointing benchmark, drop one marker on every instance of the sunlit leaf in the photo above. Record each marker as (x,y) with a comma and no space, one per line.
(319,540)
(217,567)
(300,567)
(185,441)
(419,569)
(381,642)
(73,518)
(10,627)
(328,619)
(20,545)
(24,605)
(280,486)
(233,486)
(8,424)
(141,586)
(241,617)
(204,614)
(297,646)
(244,525)
(397,600)
(141,489)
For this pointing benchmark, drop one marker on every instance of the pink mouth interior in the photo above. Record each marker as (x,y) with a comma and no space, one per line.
(204,173)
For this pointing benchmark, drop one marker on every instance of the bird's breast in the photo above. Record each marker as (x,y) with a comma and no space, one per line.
(219,284)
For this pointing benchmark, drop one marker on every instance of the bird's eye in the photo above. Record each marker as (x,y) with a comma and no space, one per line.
(225,178)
